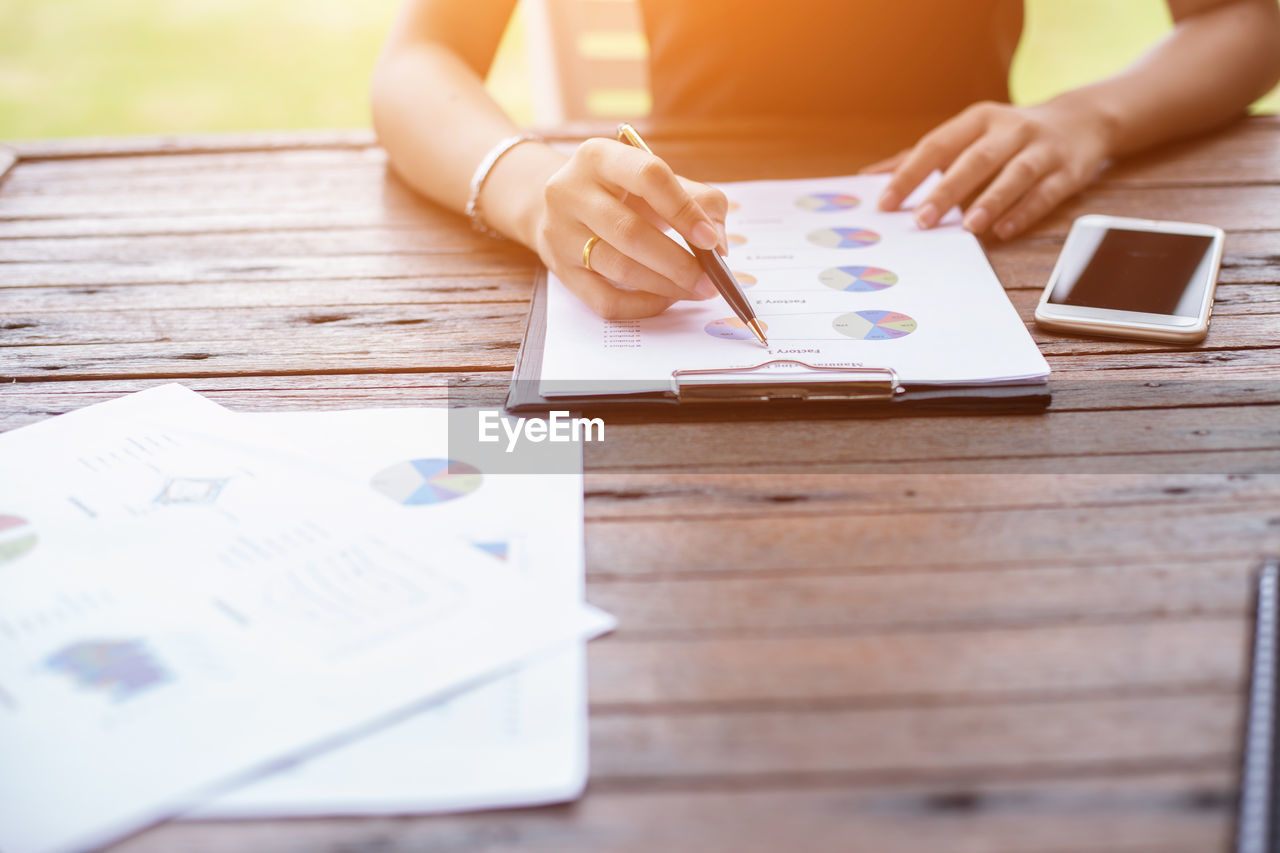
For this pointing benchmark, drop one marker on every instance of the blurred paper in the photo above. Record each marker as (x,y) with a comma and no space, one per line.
(519,740)
(183,608)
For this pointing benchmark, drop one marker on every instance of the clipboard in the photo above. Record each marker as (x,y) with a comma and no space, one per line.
(775,384)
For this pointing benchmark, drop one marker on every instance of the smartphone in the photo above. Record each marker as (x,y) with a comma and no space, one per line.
(1134,278)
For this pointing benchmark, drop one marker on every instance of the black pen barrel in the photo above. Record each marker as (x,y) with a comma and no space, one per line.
(725,283)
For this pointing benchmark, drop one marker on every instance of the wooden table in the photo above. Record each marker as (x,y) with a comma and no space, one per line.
(963,633)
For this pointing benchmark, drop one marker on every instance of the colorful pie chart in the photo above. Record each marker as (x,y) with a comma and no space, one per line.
(874,325)
(421,482)
(731,329)
(844,238)
(827,202)
(499,548)
(858,279)
(17,537)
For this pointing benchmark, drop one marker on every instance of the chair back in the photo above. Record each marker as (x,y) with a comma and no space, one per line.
(588,58)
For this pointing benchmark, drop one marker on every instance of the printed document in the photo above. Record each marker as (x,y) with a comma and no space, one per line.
(183,610)
(836,283)
(519,740)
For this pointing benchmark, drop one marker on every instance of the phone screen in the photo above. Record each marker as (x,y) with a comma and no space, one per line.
(1125,270)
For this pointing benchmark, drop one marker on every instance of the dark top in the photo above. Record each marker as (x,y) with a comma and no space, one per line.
(724,58)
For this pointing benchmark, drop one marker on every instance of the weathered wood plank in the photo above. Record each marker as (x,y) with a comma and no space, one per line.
(911,540)
(1177,367)
(795,601)
(332,294)
(22,403)
(456,263)
(264,341)
(36,397)
(1089,436)
(933,668)
(125,146)
(1175,811)
(962,744)
(77,174)
(622,495)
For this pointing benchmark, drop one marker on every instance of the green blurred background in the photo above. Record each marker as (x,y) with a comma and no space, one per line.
(88,67)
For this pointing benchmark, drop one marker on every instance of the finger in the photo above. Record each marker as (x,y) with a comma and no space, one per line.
(888,164)
(620,269)
(1038,201)
(624,169)
(1017,177)
(650,215)
(610,302)
(620,226)
(974,167)
(716,204)
(712,200)
(936,150)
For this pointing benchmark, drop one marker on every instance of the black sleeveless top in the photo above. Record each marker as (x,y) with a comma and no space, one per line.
(725,58)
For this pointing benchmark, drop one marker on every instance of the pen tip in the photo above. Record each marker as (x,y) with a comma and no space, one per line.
(758,331)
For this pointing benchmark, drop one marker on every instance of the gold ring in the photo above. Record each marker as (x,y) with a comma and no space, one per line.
(586,251)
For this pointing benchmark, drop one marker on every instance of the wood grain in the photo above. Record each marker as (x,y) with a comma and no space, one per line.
(981,633)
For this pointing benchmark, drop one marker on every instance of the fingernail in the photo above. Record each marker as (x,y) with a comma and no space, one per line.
(889,200)
(704,289)
(705,236)
(723,245)
(926,215)
(1006,230)
(977,220)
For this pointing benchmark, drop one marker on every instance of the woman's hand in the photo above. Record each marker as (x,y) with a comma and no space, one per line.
(627,198)
(1020,162)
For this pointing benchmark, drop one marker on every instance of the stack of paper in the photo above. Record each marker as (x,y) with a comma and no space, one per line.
(278,614)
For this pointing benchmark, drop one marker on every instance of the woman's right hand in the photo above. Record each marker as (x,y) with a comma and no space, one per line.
(627,198)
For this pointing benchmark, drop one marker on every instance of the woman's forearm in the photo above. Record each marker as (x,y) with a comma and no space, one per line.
(1205,73)
(437,122)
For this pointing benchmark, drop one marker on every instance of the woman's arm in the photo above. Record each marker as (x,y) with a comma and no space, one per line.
(437,123)
(1024,161)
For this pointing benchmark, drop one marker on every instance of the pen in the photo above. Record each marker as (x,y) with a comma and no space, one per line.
(712,264)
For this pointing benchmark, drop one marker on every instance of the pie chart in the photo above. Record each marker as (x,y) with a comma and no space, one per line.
(731,329)
(827,202)
(421,482)
(17,537)
(874,325)
(858,279)
(844,238)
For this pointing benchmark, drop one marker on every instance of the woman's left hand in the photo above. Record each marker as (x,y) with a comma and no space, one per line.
(1020,162)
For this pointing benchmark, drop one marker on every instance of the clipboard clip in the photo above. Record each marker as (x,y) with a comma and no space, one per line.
(786,379)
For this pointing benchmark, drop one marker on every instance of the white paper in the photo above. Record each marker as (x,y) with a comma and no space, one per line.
(925,303)
(519,740)
(181,610)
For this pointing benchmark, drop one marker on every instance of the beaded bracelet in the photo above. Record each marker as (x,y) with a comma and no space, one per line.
(482,174)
